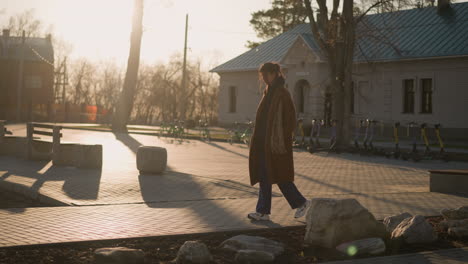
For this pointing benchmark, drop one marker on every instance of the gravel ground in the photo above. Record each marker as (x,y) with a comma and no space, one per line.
(164,249)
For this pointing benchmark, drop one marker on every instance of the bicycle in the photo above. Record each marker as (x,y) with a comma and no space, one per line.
(237,135)
(204,131)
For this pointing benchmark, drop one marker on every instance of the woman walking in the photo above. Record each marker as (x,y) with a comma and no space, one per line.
(271,157)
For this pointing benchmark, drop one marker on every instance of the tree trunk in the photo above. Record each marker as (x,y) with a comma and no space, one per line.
(125,104)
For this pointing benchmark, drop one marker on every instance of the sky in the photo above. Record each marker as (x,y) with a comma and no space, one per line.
(100,29)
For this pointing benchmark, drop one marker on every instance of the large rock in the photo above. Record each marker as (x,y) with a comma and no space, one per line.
(151,159)
(331,222)
(89,156)
(194,252)
(455,214)
(391,222)
(256,243)
(247,256)
(415,230)
(368,246)
(460,232)
(118,255)
(454,223)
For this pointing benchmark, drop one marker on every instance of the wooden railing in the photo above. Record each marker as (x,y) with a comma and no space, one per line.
(55,134)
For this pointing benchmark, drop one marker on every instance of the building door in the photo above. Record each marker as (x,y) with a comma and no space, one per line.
(301,92)
(327,109)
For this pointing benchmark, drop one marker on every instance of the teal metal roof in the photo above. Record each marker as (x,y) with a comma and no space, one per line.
(408,34)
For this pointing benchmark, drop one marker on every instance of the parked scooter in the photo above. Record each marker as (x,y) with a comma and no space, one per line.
(413,154)
(300,128)
(396,152)
(368,142)
(441,154)
(314,131)
(315,145)
(333,137)
(357,133)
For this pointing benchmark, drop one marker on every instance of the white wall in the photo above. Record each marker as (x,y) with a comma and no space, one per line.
(248,96)
(385,91)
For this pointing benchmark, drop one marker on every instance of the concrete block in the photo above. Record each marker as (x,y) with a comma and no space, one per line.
(14,146)
(89,156)
(151,159)
(42,150)
(66,155)
(449,181)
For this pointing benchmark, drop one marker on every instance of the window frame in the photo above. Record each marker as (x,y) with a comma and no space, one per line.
(232,99)
(404,96)
(423,110)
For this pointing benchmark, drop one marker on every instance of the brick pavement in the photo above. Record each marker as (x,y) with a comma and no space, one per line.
(199,170)
(42,225)
(205,189)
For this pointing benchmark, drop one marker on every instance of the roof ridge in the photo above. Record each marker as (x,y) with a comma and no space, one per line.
(414,9)
(415,26)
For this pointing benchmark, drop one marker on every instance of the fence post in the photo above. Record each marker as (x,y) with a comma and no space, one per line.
(29,129)
(56,142)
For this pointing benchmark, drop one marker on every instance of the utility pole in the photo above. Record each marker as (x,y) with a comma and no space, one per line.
(20,78)
(184,72)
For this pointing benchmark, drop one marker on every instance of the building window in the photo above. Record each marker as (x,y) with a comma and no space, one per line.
(426,96)
(408,96)
(33,82)
(232,99)
(351,98)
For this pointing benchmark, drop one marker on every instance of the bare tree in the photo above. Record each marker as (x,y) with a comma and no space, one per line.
(125,104)
(335,33)
(27,22)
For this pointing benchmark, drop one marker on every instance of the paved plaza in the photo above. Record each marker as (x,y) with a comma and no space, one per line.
(206,188)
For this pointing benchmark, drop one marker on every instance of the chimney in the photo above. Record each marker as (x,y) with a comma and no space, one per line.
(443,5)
(6,33)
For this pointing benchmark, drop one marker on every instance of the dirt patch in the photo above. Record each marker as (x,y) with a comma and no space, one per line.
(164,249)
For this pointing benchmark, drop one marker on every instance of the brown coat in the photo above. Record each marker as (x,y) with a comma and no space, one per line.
(279,158)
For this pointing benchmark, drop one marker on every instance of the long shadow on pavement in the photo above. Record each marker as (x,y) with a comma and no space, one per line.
(193,197)
(77,183)
(225,149)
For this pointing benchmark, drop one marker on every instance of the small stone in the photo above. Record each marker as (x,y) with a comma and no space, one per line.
(118,255)
(331,222)
(391,222)
(368,246)
(247,256)
(256,243)
(415,230)
(455,214)
(194,252)
(460,232)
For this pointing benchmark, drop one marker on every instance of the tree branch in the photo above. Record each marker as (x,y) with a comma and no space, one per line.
(314,27)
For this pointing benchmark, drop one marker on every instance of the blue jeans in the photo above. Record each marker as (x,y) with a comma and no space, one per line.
(289,190)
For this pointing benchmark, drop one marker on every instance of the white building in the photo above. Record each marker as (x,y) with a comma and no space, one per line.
(410,65)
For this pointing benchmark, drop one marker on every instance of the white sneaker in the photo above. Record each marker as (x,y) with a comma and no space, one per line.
(301,211)
(258,216)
